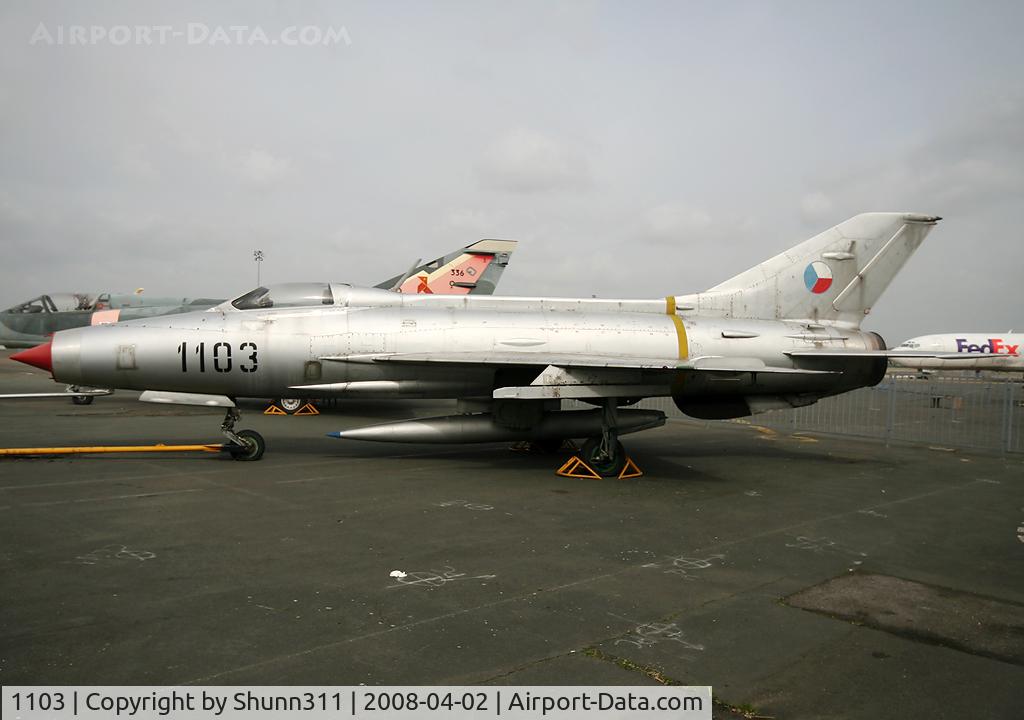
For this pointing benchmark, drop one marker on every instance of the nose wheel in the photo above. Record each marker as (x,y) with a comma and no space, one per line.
(244,444)
(249,446)
(79,399)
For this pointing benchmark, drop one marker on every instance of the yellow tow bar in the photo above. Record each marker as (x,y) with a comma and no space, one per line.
(110,449)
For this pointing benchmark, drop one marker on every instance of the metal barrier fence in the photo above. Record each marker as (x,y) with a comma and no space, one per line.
(979,413)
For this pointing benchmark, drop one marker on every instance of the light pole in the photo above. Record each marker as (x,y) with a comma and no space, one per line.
(257,255)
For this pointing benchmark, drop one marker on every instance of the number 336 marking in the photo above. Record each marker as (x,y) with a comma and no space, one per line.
(219,357)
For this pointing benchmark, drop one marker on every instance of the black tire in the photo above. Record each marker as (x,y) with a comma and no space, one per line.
(290,405)
(603,465)
(82,399)
(253,447)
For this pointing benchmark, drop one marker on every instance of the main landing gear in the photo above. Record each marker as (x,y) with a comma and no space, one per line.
(290,405)
(604,453)
(244,444)
(602,456)
(606,458)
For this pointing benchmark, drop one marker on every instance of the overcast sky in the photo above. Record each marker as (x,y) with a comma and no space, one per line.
(635,149)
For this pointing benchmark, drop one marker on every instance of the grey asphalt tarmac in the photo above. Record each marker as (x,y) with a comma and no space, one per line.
(800,576)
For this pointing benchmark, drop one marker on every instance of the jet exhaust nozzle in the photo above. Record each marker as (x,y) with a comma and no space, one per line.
(482,427)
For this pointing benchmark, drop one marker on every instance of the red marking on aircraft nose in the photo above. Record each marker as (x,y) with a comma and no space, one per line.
(41,356)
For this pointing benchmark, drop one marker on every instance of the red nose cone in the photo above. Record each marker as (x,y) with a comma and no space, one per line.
(39,356)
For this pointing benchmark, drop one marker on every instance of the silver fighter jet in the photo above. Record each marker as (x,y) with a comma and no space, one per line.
(781,335)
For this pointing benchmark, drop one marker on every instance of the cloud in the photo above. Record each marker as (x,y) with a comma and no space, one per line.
(961,168)
(472,221)
(815,206)
(525,161)
(134,161)
(259,167)
(673,221)
(164,166)
(970,171)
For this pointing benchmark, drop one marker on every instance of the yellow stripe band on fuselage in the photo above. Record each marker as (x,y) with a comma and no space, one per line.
(670,310)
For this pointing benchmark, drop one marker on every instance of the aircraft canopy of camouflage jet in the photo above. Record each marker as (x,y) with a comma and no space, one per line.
(474,269)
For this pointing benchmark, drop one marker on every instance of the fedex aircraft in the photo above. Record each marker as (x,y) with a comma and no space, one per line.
(962,351)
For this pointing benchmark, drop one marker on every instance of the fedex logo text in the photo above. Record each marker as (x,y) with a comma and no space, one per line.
(994,346)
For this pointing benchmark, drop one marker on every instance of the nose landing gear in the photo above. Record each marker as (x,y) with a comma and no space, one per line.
(79,399)
(244,444)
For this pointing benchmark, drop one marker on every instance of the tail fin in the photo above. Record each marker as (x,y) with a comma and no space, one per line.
(474,269)
(836,276)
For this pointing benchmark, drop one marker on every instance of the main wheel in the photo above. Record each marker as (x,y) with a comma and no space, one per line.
(79,399)
(252,447)
(290,405)
(604,464)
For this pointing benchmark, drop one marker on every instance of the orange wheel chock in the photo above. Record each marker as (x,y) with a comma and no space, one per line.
(575,467)
(630,470)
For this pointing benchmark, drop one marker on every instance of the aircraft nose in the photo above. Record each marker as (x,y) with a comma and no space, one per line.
(41,356)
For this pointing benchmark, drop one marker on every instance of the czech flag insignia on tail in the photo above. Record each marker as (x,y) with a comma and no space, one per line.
(818,277)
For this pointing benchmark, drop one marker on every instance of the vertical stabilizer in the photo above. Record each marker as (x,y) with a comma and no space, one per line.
(836,276)
(474,269)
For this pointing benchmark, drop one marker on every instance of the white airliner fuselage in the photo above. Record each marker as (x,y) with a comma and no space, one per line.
(964,351)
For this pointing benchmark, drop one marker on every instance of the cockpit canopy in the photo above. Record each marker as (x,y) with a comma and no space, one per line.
(285,295)
(56,302)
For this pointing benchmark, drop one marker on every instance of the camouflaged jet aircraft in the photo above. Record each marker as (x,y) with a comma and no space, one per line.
(31,322)
(783,334)
(474,269)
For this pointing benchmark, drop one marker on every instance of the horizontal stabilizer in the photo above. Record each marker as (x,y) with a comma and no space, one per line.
(741,364)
